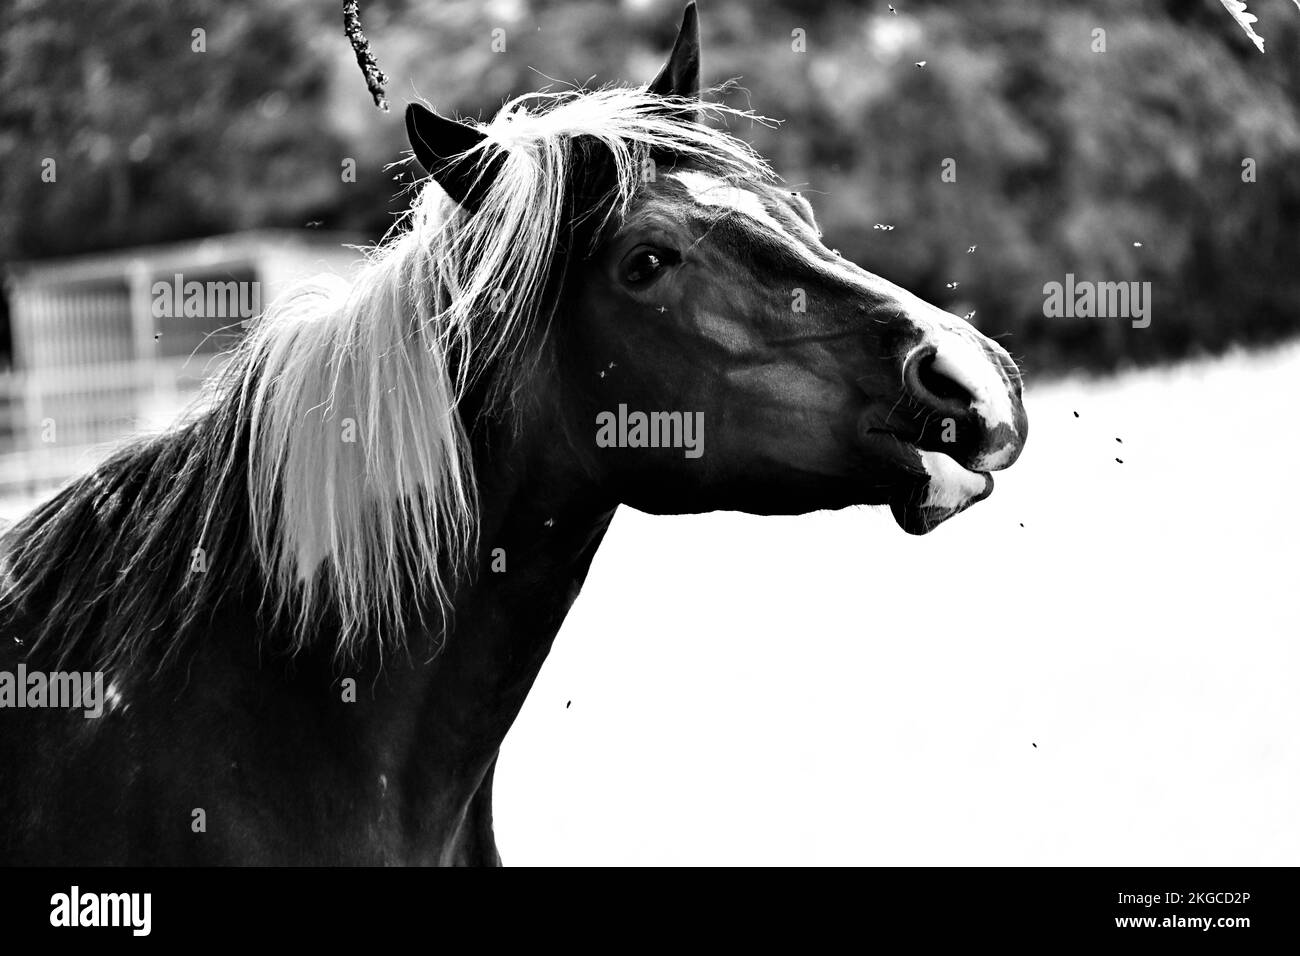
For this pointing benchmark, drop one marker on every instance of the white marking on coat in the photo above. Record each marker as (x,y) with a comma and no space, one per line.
(711,191)
(951,485)
(960,355)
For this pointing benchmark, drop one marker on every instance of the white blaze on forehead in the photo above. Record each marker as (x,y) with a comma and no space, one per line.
(711,191)
(951,486)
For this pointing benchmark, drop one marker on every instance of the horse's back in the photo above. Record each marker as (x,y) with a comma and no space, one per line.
(223,758)
(136,777)
(79,787)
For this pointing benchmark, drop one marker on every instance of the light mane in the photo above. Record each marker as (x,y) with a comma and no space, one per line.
(331,470)
(392,512)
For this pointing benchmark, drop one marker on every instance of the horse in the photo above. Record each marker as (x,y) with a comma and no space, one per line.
(317,603)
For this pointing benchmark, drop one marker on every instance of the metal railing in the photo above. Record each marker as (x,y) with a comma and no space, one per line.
(58,422)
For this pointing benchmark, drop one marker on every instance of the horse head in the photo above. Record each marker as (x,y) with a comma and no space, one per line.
(712,353)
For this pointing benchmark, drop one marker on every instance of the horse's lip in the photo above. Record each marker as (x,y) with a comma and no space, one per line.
(950,489)
(933,485)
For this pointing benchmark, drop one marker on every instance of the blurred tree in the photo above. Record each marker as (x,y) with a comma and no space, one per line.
(1065,157)
(157,132)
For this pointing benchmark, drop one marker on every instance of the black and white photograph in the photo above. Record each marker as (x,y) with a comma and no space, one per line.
(645,433)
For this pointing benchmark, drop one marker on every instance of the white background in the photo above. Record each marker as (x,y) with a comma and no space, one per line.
(827,689)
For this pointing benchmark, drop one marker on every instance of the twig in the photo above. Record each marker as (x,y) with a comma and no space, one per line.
(376,79)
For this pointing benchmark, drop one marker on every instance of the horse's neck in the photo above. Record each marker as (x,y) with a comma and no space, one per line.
(533,556)
(539,530)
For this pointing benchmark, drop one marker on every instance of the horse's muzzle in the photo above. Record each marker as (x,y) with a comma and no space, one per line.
(971,389)
(965,419)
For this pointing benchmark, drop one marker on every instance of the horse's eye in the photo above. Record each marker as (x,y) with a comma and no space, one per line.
(643,266)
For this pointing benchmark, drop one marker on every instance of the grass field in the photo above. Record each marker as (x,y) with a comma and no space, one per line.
(1097,665)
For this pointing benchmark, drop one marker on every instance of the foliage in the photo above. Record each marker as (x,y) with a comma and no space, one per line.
(1065,157)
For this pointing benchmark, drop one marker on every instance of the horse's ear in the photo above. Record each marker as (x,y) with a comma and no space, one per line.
(439,145)
(680,76)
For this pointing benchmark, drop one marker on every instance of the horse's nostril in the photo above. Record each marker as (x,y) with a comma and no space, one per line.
(932,387)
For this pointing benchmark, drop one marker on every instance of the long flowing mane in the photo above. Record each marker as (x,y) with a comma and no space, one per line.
(330,473)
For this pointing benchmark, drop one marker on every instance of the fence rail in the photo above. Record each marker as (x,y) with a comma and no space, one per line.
(57,422)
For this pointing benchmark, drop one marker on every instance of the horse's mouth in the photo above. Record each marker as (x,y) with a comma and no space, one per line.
(950,490)
(930,486)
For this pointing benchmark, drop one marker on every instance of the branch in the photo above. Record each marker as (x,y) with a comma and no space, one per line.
(376,80)
(1237,8)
